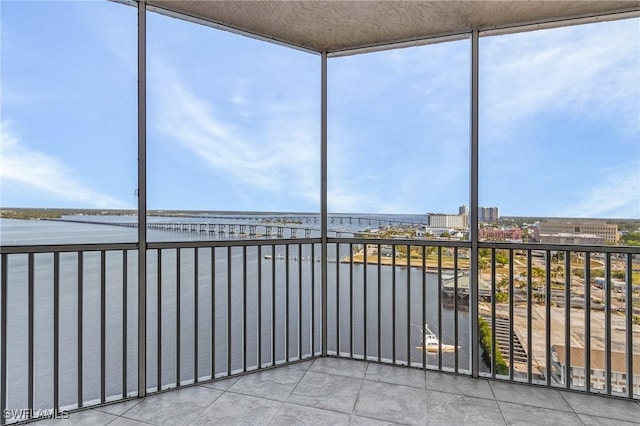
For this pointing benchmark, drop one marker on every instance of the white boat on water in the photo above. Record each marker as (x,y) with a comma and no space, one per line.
(431,343)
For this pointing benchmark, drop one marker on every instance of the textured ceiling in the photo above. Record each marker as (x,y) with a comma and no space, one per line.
(340,25)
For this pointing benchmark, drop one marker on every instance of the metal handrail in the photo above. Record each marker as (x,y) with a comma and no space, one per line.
(342,339)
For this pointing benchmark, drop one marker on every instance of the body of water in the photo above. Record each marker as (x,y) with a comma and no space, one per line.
(262,307)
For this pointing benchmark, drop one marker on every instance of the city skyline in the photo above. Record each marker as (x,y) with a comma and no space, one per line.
(559,130)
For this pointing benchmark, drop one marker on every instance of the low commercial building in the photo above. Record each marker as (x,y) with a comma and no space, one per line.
(576,371)
(569,238)
(500,234)
(596,227)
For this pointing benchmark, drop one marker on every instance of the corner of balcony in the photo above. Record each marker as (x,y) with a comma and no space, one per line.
(330,390)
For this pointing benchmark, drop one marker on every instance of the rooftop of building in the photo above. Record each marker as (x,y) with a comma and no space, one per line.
(618,359)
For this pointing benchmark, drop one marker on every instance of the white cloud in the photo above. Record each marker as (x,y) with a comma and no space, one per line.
(282,157)
(616,195)
(583,71)
(24,169)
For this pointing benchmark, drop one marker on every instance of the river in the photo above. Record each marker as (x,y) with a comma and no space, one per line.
(304,278)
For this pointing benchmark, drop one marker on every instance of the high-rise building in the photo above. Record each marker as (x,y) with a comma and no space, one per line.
(488,214)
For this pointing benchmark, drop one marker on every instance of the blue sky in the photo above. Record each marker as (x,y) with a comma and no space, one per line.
(234,123)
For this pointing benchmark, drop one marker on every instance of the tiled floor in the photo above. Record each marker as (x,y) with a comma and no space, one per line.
(330,391)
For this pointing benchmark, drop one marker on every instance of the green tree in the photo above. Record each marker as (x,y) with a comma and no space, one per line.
(484,252)
(503,284)
(483,263)
(501,257)
(557,257)
(557,271)
(631,239)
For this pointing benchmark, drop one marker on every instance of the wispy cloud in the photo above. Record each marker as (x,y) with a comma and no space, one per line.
(277,154)
(398,130)
(585,72)
(617,194)
(44,176)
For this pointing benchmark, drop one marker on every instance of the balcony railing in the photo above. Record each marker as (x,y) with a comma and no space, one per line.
(560,316)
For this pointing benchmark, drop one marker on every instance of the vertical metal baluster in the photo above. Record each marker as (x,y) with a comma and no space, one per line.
(259,336)
(196,284)
(424,305)
(229,369)
(337,299)
(213,312)
(493,312)
(547,307)
(300,263)
(607,322)
(529,320)
(286,301)
(379,305)
(125,277)
(567,317)
(56,332)
(31,347)
(511,332)
(440,308)
(455,308)
(408,304)
(273,305)
(80,321)
(159,321)
(178,314)
(629,323)
(587,321)
(350,299)
(244,308)
(103,326)
(313,300)
(393,303)
(4,290)
(364,302)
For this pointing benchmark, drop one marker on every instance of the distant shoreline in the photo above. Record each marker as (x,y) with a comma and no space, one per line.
(33,213)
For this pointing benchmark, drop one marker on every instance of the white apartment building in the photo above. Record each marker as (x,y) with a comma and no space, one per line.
(443,220)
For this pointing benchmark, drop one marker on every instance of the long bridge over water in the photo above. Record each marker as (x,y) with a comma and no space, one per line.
(281,226)
(224,230)
(302,219)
